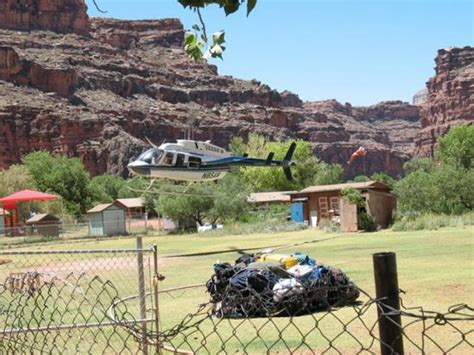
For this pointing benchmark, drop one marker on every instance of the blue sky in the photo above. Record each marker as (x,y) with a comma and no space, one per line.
(357,51)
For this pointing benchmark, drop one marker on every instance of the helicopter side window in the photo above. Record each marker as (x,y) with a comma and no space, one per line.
(168,159)
(194,162)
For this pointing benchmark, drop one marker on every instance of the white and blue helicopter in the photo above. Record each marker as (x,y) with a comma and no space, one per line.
(196,161)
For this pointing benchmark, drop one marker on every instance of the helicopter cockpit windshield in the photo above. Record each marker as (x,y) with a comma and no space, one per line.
(151,156)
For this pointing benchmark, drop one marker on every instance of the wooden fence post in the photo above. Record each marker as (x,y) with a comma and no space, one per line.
(387,292)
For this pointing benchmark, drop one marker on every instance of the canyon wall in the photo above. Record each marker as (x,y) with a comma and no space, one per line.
(98,94)
(54,15)
(450,98)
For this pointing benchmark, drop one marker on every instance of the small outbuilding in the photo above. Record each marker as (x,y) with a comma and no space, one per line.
(325,202)
(107,219)
(134,206)
(44,224)
(268,198)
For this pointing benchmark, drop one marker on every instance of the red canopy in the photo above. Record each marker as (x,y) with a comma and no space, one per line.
(25,195)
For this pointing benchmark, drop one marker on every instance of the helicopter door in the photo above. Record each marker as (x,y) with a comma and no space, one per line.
(180,160)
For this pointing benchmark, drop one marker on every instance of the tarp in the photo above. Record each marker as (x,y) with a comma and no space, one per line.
(25,195)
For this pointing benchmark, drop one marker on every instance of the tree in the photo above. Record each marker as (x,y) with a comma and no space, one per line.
(230,198)
(183,203)
(196,41)
(361,178)
(457,147)
(15,178)
(447,189)
(64,176)
(237,146)
(207,202)
(415,164)
(307,171)
(327,174)
(106,188)
(384,178)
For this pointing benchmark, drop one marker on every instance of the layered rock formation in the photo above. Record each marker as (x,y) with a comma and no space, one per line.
(98,96)
(450,97)
(54,15)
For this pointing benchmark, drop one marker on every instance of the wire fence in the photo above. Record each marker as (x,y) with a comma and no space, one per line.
(348,329)
(108,301)
(75,301)
(130,224)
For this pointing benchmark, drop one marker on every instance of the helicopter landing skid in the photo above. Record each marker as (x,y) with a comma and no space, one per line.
(164,188)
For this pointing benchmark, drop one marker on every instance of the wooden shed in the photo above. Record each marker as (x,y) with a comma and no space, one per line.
(44,224)
(134,206)
(267,198)
(107,219)
(325,202)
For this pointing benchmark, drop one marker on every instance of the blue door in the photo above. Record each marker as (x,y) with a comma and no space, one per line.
(297,212)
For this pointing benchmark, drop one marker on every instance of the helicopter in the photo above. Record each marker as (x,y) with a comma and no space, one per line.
(198,161)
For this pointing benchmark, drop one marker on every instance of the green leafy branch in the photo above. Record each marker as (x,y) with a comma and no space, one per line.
(196,43)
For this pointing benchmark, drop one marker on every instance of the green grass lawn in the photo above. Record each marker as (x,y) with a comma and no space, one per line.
(436,270)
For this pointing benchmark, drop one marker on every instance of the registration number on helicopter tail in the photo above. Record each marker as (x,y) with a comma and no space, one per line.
(212,175)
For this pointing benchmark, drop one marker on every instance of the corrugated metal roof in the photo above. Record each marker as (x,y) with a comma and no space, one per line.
(100,208)
(337,187)
(274,196)
(40,216)
(131,202)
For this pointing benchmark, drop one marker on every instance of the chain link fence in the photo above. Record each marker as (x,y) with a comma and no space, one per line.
(108,301)
(132,224)
(349,329)
(75,301)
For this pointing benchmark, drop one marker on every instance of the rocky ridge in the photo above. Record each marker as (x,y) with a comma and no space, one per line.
(98,95)
(450,97)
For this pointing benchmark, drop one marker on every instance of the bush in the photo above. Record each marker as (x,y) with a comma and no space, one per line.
(367,222)
(270,226)
(353,196)
(445,190)
(431,221)
(329,226)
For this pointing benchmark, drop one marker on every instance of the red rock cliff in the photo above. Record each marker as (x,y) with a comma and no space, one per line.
(450,97)
(54,15)
(98,96)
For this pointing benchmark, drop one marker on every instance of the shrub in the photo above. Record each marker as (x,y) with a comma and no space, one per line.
(353,196)
(329,226)
(431,221)
(367,222)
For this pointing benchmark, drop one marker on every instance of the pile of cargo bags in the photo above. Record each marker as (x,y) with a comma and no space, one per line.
(268,284)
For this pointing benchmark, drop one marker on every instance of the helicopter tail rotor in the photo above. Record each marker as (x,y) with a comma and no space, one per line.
(287,171)
(287,162)
(289,153)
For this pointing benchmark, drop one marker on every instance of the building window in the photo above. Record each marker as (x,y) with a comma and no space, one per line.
(334,203)
(323,206)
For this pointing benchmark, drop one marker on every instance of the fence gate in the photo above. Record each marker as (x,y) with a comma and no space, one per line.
(76,301)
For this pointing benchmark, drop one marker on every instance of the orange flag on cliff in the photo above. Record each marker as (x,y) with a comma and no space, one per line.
(360,152)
